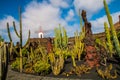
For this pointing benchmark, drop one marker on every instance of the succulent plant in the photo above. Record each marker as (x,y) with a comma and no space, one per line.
(113,31)
(19,36)
(108,39)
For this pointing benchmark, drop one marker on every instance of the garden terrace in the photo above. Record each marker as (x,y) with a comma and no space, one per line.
(71,40)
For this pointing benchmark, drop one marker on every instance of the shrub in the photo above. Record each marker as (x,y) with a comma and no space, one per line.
(41,67)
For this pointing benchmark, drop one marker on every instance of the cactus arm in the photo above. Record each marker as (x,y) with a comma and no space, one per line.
(8,29)
(65,38)
(27,40)
(114,35)
(15,29)
(60,36)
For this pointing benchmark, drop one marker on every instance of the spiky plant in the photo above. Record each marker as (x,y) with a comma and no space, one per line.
(108,39)
(19,36)
(113,31)
(106,73)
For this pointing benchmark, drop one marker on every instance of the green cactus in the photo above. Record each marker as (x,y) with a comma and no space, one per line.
(57,62)
(73,55)
(79,45)
(60,50)
(113,31)
(65,38)
(19,36)
(61,38)
(109,42)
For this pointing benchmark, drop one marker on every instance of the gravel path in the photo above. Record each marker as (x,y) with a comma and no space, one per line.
(12,75)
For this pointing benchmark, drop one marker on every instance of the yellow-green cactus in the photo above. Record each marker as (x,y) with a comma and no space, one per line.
(109,42)
(113,31)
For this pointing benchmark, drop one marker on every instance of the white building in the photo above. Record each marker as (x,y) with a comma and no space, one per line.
(40,34)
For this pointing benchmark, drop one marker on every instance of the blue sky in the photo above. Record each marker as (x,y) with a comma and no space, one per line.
(50,13)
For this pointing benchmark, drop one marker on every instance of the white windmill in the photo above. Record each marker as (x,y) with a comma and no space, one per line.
(40,33)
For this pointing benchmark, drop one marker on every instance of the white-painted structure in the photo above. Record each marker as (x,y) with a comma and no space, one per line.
(40,35)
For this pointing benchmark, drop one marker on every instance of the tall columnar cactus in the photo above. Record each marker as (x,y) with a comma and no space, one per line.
(113,32)
(20,33)
(61,38)
(19,36)
(108,38)
(79,45)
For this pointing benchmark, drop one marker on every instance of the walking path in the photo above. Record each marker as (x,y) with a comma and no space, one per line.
(12,75)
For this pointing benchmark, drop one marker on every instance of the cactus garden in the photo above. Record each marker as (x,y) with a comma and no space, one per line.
(83,56)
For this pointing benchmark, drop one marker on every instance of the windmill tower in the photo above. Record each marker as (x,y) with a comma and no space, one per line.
(40,33)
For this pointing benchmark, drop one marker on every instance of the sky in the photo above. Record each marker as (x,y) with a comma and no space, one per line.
(50,13)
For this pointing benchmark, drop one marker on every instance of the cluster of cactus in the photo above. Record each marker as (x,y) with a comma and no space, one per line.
(78,70)
(61,38)
(113,31)
(57,62)
(60,50)
(108,39)
(106,74)
(19,36)
(79,45)
(101,43)
(37,61)
(34,61)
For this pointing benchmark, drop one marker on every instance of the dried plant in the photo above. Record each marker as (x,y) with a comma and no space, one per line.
(78,70)
(106,74)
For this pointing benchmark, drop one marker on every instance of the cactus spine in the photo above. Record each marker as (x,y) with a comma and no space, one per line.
(113,32)
(109,43)
(19,36)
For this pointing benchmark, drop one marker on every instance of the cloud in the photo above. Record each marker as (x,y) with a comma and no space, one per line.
(98,24)
(70,15)
(3,22)
(48,15)
(35,15)
(3,27)
(59,3)
(41,14)
(91,6)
